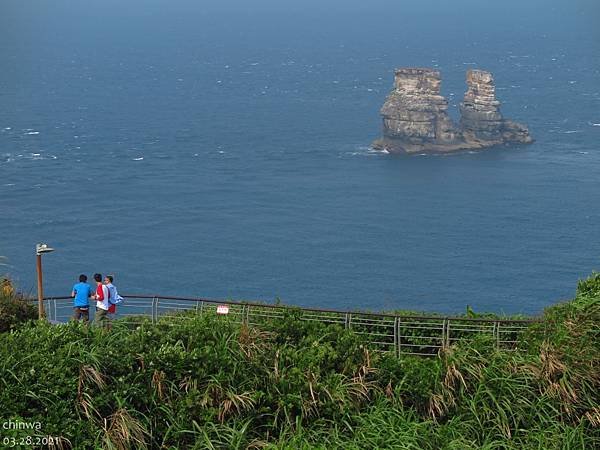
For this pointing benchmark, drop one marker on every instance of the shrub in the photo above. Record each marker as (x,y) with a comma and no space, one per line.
(589,287)
(15,309)
(203,381)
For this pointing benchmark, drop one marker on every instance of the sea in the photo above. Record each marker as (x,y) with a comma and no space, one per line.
(222,150)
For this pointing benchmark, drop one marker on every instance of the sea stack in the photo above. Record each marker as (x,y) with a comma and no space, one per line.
(415,117)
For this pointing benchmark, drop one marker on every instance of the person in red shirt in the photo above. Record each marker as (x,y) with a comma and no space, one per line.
(102,304)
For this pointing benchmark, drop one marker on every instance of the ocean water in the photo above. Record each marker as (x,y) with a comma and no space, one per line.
(223,151)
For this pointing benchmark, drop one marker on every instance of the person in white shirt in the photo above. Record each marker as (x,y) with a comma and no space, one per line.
(102,302)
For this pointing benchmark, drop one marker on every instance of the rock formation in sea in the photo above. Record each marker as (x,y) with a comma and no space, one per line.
(415,117)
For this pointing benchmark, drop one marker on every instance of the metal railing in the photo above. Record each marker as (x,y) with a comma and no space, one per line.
(401,334)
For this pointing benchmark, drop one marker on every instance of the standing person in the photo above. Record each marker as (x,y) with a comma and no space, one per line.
(115,298)
(102,304)
(81,305)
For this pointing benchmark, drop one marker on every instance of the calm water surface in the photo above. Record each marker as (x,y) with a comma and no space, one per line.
(226,154)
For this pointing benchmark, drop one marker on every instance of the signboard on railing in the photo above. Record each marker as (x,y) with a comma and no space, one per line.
(222,309)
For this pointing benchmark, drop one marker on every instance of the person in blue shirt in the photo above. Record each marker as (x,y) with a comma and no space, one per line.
(81,303)
(115,298)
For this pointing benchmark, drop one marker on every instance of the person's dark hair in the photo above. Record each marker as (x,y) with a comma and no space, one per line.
(110,278)
(98,277)
(82,278)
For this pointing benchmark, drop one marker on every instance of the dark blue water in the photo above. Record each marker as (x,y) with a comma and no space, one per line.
(224,152)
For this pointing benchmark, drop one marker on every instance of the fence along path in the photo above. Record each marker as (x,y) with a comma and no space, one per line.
(402,334)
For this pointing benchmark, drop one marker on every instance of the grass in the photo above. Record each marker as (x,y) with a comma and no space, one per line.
(206,382)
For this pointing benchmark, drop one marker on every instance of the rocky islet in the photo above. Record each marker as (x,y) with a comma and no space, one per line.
(415,117)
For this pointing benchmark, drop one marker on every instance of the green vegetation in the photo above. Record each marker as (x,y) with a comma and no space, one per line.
(14,308)
(206,382)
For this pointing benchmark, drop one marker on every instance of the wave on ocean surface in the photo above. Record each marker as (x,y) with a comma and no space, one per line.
(9,157)
(371,151)
(365,151)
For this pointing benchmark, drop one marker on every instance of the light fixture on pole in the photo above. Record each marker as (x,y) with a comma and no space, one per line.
(39,250)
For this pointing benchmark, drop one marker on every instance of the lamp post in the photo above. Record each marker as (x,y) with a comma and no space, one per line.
(39,250)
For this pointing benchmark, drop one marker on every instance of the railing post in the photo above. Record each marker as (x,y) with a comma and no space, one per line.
(243,315)
(445,333)
(396,336)
(399,335)
(55,315)
(347,321)
(154,311)
(497,333)
(247,315)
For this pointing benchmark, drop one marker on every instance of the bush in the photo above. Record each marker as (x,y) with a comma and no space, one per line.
(204,381)
(589,287)
(15,309)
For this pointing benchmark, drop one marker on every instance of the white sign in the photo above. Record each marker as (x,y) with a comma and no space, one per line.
(222,309)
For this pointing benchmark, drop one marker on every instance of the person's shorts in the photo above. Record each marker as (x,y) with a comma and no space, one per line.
(81,313)
(102,316)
